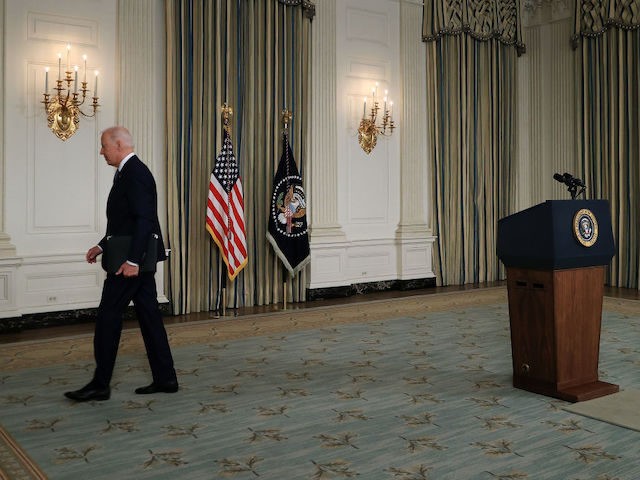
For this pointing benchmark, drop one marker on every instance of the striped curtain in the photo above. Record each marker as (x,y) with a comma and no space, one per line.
(240,52)
(472,49)
(607,39)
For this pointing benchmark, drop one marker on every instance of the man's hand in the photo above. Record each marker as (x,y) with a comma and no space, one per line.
(92,253)
(128,270)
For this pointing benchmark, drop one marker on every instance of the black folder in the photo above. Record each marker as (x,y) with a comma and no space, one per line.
(116,250)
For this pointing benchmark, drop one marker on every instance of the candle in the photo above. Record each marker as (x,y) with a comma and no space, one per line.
(385,104)
(391,109)
(95,85)
(364,108)
(75,87)
(59,66)
(68,64)
(46,80)
(84,57)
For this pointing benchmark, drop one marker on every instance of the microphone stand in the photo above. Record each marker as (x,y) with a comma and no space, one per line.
(573,190)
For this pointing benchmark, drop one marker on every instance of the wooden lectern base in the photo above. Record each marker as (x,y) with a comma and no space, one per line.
(579,393)
(555,320)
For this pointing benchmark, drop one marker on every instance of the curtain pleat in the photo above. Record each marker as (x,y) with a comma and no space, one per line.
(608,66)
(229,51)
(473,143)
(471,101)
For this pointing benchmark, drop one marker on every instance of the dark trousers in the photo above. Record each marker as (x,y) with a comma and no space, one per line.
(117,293)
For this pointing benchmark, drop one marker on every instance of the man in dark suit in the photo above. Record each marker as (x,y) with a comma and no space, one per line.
(131,211)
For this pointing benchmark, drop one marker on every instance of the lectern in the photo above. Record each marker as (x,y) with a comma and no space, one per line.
(555,254)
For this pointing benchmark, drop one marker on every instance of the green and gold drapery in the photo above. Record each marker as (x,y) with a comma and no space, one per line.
(231,51)
(607,39)
(472,48)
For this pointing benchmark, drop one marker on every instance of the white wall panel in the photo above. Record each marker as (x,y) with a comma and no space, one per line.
(60,187)
(54,192)
(369,200)
(58,282)
(371,261)
(375,247)
(56,201)
(5,285)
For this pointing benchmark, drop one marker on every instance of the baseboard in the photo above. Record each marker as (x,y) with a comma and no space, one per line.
(30,321)
(371,287)
(71,317)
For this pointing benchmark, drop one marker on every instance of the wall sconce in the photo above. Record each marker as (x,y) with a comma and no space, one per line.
(369,128)
(63,109)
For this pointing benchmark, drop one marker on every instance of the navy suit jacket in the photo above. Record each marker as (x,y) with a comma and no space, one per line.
(132,209)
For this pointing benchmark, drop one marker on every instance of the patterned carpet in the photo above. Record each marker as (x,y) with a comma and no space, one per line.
(406,389)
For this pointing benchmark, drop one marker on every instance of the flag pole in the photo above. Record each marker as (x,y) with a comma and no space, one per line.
(226,118)
(286,118)
(284,288)
(227,112)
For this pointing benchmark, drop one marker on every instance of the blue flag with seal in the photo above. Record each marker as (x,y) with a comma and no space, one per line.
(287,231)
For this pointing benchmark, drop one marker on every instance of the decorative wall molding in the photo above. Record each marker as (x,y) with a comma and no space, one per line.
(368,26)
(56,28)
(8,304)
(328,262)
(373,69)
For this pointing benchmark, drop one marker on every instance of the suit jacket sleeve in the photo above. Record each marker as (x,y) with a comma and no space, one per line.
(142,201)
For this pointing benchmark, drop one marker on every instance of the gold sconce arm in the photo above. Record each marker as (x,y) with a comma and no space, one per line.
(369,128)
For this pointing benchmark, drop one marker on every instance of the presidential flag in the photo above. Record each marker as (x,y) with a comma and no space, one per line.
(288,214)
(225,209)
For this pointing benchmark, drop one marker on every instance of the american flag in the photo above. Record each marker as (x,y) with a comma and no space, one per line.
(225,209)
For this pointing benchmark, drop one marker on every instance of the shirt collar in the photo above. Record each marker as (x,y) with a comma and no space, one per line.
(124,160)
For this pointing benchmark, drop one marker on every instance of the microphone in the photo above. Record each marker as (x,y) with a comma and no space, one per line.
(559,178)
(568,179)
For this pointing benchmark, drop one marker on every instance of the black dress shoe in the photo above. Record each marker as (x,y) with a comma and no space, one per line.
(88,393)
(170,387)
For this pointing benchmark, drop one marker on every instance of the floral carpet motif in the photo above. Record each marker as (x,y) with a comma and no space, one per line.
(406,389)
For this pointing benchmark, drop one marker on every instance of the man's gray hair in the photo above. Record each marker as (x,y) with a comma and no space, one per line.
(120,134)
